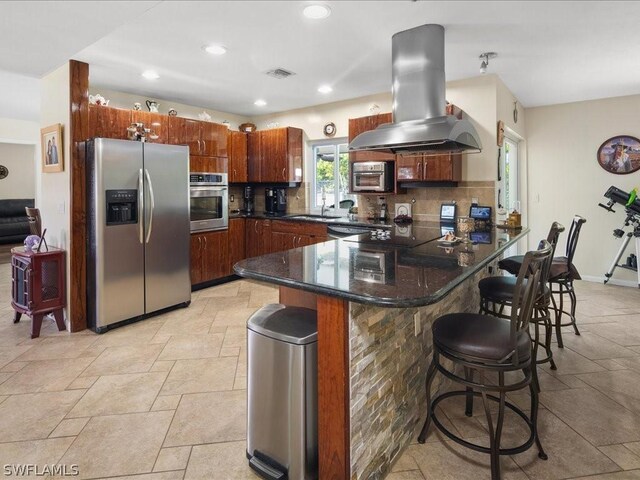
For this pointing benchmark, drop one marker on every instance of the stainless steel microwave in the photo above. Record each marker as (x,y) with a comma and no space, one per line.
(372,176)
(209,200)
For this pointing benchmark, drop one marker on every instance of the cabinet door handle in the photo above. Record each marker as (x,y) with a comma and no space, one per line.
(234,173)
(255,227)
(200,244)
(284,177)
(205,242)
(419,166)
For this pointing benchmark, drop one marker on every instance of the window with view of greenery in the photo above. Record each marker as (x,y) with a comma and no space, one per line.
(331,176)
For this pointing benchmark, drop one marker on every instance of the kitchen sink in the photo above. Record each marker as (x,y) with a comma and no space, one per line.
(314,217)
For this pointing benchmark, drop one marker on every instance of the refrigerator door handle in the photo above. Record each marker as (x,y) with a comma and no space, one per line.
(152,201)
(140,207)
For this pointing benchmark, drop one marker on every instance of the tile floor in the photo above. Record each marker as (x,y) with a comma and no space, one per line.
(164,399)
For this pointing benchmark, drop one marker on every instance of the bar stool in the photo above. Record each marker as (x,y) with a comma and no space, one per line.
(496,293)
(486,344)
(563,273)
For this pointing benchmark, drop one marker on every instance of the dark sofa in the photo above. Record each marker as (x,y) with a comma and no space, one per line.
(14,225)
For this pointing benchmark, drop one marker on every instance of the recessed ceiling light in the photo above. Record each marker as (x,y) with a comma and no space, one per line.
(325,89)
(216,49)
(260,103)
(150,75)
(317,11)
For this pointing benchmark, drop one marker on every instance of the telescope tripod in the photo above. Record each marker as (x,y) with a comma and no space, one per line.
(619,233)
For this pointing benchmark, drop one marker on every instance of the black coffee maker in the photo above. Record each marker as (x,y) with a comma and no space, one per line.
(248,199)
(275,201)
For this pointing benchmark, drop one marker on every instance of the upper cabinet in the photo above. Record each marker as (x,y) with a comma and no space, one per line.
(107,122)
(364,124)
(275,156)
(237,149)
(429,168)
(157,123)
(205,139)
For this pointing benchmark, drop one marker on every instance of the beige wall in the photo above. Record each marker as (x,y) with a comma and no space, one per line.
(126,100)
(26,133)
(55,187)
(566,179)
(19,159)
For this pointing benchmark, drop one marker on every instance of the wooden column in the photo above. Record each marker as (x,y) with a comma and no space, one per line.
(333,389)
(79,132)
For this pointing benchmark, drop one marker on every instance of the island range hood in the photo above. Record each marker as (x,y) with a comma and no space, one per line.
(420,125)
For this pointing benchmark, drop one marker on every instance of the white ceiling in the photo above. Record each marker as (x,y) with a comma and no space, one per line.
(549,52)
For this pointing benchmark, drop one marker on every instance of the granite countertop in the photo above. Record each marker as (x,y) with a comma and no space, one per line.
(329,220)
(390,273)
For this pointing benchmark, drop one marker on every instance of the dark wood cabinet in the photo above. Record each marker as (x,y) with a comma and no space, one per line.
(236,248)
(364,124)
(237,150)
(258,237)
(108,122)
(283,241)
(275,156)
(209,256)
(433,168)
(208,164)
(157,124)
(205,139)
(286,235)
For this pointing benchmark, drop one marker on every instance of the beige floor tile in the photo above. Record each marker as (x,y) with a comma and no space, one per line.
(69,427)
(174,475)
(622,332)
(230,351)
(56,348)
(207,418)
(631,363)
(570,455)
(124,359)
(119,444)
(240,383)
(233,318)
(610,364)
(34,415)
(201,375)
(226,290)
(115,394)
(160,339)
(9,353)
(404,463)
(82,383)
(187,325)
(221,461)
(174,458)
(628,475)
(219,304)
(572,381)
(181,347)
(44,376)
(406,475)
(570,363)
(162,366)
(166,402)
(450,461)
(623,386)
(620,454)
(235,337)
(14,367)
(33,452)
(593,415)
(595,347)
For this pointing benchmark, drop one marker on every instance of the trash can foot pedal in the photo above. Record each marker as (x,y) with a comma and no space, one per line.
(266,471)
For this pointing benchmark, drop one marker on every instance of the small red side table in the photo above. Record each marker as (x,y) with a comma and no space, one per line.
(38,286)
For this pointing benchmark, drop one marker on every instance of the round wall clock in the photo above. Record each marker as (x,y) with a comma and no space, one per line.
(329,129)
(4,172)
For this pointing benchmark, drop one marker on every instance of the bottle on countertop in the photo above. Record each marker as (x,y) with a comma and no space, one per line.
(383,212)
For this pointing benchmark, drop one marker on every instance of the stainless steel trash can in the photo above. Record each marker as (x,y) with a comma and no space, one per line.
(282,389)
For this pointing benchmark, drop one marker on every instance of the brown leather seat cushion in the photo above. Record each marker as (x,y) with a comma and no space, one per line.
(500,289)
(559,269)
(511,264)
(480,336)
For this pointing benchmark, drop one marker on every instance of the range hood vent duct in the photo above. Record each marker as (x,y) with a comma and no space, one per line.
(420,124)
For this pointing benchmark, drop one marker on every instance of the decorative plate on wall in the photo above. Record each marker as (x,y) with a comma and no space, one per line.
(4,172)
(620,155)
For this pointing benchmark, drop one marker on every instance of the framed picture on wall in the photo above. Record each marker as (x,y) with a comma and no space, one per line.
(620,155)
(52,149)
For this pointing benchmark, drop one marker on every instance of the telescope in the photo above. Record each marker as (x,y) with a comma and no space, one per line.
(615,195)
(632,208)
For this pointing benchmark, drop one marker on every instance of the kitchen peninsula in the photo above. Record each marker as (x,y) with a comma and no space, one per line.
(376,299)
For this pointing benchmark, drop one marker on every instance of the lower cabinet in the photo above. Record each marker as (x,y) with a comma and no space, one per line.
(237,249)
(209,256)
(258,237)
(286,235)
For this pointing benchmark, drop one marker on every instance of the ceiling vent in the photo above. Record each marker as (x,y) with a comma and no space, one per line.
(279,73)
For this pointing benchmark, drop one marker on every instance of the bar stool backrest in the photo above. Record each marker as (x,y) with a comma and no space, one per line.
(553,237)
(525,293)
(574,233)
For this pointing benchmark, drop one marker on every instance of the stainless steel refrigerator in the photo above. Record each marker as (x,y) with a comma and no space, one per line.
(138,230)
